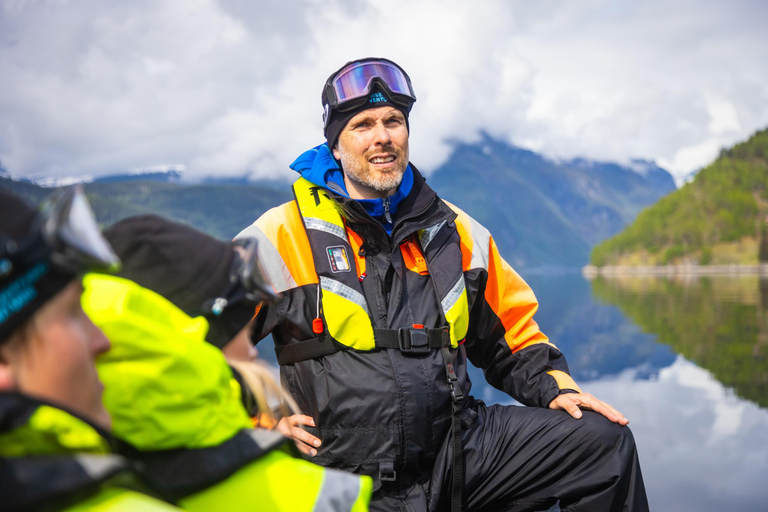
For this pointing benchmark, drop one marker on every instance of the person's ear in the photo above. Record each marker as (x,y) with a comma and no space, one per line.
(7,377)
(336,153)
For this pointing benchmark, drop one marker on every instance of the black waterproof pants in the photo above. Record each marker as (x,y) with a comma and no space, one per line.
(526,459)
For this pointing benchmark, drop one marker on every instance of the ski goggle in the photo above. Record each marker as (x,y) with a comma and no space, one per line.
(355,82)
(247,280)
(248,270)
(70,228)
(65,232)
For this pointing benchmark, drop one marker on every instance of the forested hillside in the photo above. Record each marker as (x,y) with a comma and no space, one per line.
(220,210)
(720,217)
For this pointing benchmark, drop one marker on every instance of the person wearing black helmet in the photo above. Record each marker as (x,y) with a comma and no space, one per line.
(54,440)
(386,292)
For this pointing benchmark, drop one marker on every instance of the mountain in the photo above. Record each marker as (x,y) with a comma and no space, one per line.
(543,213)
(168,176)
(720,217)
(219,210)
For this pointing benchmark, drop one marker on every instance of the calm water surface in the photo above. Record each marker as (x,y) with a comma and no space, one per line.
(686,361)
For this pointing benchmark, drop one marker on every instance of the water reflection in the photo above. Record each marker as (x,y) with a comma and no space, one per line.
(719,323)
(702,449)
(598,340)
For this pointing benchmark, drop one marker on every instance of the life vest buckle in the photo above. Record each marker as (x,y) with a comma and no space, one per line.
(387,471)
(413,341)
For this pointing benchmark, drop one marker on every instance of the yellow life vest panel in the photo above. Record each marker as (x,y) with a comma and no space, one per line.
(344,308)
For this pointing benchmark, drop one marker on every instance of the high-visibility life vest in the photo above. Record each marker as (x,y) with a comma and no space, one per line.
(345,312)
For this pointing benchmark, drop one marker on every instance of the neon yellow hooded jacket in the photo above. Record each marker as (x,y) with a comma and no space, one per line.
(169,390)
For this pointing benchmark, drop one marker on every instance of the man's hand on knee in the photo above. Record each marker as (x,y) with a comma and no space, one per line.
(572,403)
(291,427)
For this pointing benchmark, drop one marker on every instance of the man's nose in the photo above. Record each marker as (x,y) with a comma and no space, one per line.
(381,134)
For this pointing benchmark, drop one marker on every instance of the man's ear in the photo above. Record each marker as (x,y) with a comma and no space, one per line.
(336,153)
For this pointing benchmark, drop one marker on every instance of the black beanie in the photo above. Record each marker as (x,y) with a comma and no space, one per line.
(184,265)
(27,278)
(378,97)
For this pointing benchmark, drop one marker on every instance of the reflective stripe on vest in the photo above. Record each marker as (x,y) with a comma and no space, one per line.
(344,307)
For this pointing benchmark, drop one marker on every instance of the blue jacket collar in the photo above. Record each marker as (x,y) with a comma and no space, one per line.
(318,166)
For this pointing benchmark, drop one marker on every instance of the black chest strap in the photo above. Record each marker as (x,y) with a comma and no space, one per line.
(409,341)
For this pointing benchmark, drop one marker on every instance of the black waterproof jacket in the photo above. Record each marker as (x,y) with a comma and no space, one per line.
(386,413)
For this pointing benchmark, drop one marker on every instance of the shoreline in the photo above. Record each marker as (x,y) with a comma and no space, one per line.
(591,271)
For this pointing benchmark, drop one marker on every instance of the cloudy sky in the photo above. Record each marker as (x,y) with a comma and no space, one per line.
(232,87)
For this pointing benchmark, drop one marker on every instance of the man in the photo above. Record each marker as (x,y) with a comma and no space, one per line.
(387,290)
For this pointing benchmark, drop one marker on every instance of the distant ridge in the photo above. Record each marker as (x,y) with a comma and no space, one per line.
(156,176)
(219,210)
(544,215)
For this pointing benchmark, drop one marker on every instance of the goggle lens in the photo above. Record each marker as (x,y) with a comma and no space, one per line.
(71,229)
(248,270)
(354,81)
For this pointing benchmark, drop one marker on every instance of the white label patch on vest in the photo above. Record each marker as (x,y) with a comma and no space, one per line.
(338,257)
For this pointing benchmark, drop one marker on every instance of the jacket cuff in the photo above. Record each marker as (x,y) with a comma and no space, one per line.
(564,381)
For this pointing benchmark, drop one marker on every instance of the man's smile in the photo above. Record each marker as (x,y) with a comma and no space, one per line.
(382,159)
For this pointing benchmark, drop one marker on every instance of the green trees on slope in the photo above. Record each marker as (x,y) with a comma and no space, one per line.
(727,201)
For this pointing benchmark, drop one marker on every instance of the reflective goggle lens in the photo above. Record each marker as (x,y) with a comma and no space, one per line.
(354,81)
(248,270)
(71,229)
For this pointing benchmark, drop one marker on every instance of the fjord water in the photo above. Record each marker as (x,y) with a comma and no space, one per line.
(686,361)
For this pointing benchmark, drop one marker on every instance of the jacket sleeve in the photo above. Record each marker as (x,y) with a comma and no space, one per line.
(503,338)
(282,242)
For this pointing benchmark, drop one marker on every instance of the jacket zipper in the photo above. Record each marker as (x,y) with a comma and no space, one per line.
(386,209)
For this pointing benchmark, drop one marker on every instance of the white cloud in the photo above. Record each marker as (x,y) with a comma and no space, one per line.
(233,86)
(723,116)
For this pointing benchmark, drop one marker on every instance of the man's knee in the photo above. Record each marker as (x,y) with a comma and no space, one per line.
(597,434)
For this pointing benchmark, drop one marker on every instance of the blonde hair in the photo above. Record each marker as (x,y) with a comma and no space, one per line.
(271,401)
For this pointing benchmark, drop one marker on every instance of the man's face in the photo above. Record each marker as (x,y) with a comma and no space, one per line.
(55,359)
(373,150)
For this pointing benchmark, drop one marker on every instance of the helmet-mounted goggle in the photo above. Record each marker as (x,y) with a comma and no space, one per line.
(65,231)
(247,279)
(248,270)
(350,86)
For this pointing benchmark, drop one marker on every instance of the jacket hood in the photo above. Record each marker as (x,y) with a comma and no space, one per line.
(318,166)
(164,385)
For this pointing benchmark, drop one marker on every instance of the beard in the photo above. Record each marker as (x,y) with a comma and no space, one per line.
(357,170)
